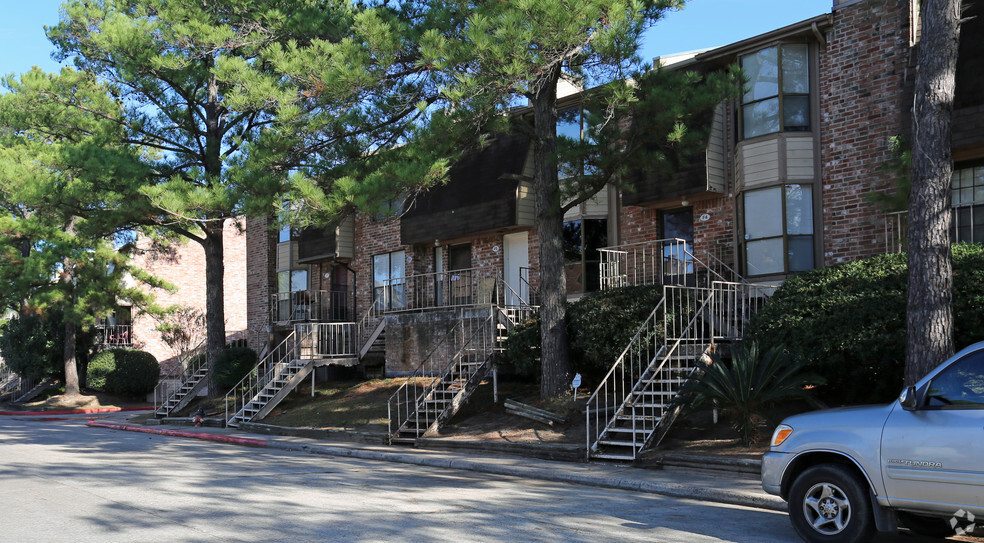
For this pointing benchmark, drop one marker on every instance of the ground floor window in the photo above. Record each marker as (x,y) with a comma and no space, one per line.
(778,229)
(967,192)
(388,280)
(582,239)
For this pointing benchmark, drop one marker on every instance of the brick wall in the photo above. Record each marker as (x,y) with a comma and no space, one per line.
(715,236)
(184,267)
(374,237)
(261,279)
(861,80)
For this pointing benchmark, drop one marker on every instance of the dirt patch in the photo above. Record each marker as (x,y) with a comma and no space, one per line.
(63,401)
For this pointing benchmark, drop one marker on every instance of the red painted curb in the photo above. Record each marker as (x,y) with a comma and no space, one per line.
(180,433)
(78,411)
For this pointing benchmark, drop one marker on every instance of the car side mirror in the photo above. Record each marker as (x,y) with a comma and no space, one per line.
(909,399)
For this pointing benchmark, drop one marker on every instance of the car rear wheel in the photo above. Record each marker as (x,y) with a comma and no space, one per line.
(829,504)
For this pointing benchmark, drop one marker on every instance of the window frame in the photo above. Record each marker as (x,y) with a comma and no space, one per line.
(395,298)
(780,95)
(785,235)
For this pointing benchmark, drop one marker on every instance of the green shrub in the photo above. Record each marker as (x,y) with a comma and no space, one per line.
(848,321)
(232,365)
(753,381)
(34,345)
(124,372)
(599,327)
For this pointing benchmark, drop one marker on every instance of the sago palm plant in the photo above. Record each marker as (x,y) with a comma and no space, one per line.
(752,382)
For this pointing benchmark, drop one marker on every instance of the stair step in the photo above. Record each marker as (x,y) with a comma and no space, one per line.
(611,456)
(645,418)
(614,443)
(629,430)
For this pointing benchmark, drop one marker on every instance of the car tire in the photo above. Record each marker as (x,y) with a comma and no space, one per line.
(829,504)
(927,526)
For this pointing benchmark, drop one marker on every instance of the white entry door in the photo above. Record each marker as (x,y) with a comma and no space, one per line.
(516,256)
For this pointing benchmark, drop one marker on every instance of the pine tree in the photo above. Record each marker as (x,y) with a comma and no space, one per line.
(165,60)
(511,50)
(64,176)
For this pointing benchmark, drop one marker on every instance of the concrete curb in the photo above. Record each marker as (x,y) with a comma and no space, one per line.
(676,490)
(180,433)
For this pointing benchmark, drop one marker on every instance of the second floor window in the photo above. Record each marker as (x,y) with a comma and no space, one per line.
(388,280)
(777,97)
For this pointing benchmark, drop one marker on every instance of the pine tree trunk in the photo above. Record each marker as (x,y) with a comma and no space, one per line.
(929,328)
(555,362)
(214,299)
(68,351)
(213,244)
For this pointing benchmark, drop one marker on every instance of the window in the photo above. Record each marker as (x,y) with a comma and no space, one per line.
(967,194)
(678,258)
(572,124)
(388,278)
(778,91)
(292,280)
(582,239)
(961,385)
(778,228)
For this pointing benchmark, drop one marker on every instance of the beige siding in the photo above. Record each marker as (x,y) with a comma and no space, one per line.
(525,205)
(528,166)
(716,162)
(760,162)
(597,205)
(799,157)
(287,255)
(345,238)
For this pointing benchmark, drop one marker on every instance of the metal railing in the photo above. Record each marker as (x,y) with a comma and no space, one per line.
(447,289)
(320,341)
(896,225)
(10,382)
(189,363)
(307,342)
(312,306)
(262,374)
(462,351)
(661,262)
(638,389)
(115,335)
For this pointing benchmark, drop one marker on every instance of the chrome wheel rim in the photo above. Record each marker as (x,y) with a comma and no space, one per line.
(827,508)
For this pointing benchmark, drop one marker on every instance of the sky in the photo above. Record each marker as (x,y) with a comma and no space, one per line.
(702,24)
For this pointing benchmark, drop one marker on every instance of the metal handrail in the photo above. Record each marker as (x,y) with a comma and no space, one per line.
(256,379)
(188,365)
(710,314)
(445,290)
(312,305)
(114,335)
(404,403)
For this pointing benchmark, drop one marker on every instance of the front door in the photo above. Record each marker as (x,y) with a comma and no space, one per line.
(460,272)
(516,258)
(933,455)
(678,262)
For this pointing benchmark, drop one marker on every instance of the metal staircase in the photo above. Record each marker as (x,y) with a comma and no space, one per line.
(276,375)
(192,376)
(445,379)
(635,405)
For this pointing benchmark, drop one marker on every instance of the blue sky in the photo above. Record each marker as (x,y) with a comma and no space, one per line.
(702,24)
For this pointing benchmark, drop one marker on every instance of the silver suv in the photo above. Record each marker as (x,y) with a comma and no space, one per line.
(919,460)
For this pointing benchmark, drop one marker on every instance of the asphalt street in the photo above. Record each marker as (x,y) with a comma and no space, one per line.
(63,481)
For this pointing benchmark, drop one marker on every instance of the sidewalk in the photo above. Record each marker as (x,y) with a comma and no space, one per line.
(729,488)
